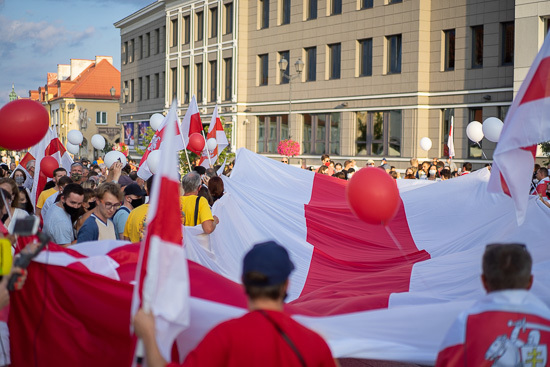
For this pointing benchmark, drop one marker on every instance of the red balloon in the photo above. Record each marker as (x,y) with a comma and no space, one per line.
(23,123)
(48,165)
(373,196)
(196,143)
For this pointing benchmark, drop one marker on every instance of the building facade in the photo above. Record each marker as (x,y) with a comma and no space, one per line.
(362,78)
(83,95)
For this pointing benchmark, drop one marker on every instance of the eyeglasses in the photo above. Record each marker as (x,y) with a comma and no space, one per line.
(110,206)
(284,161)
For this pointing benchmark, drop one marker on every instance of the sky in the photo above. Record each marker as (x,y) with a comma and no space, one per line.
(37,35)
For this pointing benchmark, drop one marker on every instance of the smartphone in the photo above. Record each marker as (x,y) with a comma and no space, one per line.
(27,226)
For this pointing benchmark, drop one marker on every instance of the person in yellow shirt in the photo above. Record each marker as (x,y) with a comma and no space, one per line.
(57,174)
(196,209)
(136,224)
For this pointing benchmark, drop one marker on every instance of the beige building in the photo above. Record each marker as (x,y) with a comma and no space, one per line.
(84,95)
(366,78)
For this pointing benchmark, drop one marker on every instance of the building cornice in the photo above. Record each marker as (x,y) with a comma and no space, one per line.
(141,13)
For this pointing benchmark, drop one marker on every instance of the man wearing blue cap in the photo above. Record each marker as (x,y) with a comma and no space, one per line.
(265,336)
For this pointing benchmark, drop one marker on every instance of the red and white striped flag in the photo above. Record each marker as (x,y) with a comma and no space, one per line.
(450,141)
(526,125)
(157,142)
(214,131)
(162,278)
(191,124)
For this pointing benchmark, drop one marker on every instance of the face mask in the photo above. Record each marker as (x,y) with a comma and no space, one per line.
(432,172)
(5,217)
(76,176)
(137,202)
(92,205)
(19,180)
(73,212)
(23,206)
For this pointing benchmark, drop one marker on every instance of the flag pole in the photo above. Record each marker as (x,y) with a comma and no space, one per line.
(185,149)
(206,146)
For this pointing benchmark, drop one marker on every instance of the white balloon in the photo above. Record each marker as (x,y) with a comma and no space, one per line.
(474,130)
(75,137)
(153,161)
(426,143)
(98,142)
(492,127)
(71,148)
(211,144)
(155,121)
(114,156)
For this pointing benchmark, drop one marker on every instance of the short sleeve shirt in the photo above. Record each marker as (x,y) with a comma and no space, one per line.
(136,223)
(43,196)
(187,205)
(59,226)
(120,218)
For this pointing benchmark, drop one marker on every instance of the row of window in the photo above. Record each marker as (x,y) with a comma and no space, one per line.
(212,92)
(393,55)
(143,88)
(143,46)
(377,133)
(334,7)
(198,25)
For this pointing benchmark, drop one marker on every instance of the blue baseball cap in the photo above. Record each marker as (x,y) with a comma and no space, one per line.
(269,259)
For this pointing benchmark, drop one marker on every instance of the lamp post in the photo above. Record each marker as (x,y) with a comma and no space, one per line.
(299,65)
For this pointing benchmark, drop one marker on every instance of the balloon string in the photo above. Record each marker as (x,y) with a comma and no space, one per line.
(398,245)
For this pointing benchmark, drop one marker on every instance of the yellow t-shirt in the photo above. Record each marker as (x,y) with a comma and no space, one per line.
(187,205)
(44,195)
(136,223)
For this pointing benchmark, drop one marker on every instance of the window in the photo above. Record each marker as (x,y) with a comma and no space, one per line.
(474,149)
(321,133)
(394,54)
(264,14)
(213,22)
(131,90)
(141,50)
(449,49)
(147,87)
(200,26)
(198,76)
(101,118)
(334,61)
(186,29)
(228,18)
(147,45)
(157,41)
(174,82)
(311,9)
(507,43)
(213,81)
(365,54)
(157,85)
(285,75)
(477,46)
(379,133)
(140,89)
(228,69)
(271,130)
(311,64)
(126,97)
(131,51)
(174,28)
(335,7)
(162,79)
(125,53)
(447,114)
(285,12)
(394,1)
(502,112)
(186,84)
(366,4)
(263,69)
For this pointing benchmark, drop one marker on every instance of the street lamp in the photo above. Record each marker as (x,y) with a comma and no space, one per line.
(299,65)
(113,91)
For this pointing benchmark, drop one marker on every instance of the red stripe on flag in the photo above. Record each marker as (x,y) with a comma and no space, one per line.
(165,225)
(54,147)
(195,125)
(353,261)
(539,87)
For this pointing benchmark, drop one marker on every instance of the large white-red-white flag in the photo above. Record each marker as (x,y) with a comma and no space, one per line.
(214,131)
(162,278)
(158,140)
(50,145)
(526,125)
(191,124)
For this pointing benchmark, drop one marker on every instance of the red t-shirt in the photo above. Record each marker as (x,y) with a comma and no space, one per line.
(252,340)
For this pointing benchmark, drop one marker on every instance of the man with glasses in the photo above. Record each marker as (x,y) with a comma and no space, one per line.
(99,225)
(509,326)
